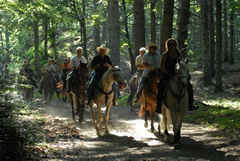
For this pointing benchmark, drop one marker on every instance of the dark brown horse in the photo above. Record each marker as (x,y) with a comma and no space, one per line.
(48,86)
(78,89)
(149,98)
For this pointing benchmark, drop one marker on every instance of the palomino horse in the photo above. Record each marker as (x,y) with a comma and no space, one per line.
(103,94)
(149,98)
(78,89)
(48,86)
(175,103)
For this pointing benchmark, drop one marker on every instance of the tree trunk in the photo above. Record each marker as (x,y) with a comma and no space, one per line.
(138,26)
(218,76)
(183,22)
(153,22)
(231,52)
(96,30)
(211,38)
(36,45)
(45,39)
(204,42)
(84,30)
(225,31)
(114,31)
(167,25)
(131,54)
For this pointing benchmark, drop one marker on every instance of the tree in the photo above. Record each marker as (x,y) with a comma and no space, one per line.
(183,22)
(138,26)
(153,22)
(114,31)
(167,25)
(231,52)
(218,76)
(204,43)
(225,31)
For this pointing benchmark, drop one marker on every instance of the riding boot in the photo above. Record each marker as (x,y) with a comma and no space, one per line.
(192,106)
(34,83)
(89,93)
(67,86)
(114,101)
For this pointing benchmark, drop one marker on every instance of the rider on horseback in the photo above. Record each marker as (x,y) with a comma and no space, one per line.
(100,63)
(167,66)
(66,69)
(28,72)
(150,62)
(139,64)
(46,68)
(74,63)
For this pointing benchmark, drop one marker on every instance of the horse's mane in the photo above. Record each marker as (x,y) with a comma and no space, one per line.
(106,74)
(182,65)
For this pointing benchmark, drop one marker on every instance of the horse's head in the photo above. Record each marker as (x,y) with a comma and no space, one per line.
(182,72)
(83,73)
(118,78)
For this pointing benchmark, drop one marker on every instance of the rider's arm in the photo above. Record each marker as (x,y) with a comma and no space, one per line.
(162,63)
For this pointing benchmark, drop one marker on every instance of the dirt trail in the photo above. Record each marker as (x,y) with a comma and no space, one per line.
(129,140)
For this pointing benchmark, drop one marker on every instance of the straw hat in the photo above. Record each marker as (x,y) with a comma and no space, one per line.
(50,59)
(151,45)
(102,47)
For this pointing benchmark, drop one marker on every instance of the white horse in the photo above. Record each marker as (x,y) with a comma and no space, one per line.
(175,103)
(103,94)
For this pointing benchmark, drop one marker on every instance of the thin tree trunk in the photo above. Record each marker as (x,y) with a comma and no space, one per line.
(225,31)
(114,31)
(153,22)
(131,54)
(183,22)
(231,52)
(84,30)
(218,76)
(45,38)
(167,25)
(204,41)
(96,30)
(36,45)
(211,38)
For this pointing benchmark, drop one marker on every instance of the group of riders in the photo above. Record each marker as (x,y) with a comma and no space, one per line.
(146,63)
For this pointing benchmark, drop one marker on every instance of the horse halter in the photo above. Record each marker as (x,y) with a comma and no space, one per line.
(119,82)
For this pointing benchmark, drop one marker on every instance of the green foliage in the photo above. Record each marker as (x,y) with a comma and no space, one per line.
(122,101)
(224,118)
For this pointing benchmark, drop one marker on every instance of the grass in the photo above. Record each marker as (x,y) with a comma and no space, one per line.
(122,101)
(217,114)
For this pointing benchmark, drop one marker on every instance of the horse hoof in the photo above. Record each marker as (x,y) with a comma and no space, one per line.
(107,132)
(177,146)
(146,125)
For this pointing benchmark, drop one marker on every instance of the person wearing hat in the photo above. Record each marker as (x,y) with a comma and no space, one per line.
(65,70)
(74,63)
(167,66)
(139,64)
(46,68)
(151,61)
(28,72)
(100,64)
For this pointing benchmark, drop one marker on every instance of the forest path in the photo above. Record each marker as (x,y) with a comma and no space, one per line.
(129,140)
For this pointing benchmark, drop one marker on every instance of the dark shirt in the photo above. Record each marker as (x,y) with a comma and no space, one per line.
(99,60)
(171,63)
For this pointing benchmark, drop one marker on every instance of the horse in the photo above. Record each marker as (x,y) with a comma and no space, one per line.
(103,94)
(48,86)
(133,89)
(78,89)
(175,103)
(149,98)
(27,88)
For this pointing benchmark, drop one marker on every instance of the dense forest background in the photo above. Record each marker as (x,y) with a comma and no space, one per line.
(208,31)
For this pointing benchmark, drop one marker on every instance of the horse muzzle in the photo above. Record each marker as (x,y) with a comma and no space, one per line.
(122,85)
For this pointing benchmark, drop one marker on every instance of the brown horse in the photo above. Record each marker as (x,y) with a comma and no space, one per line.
(149,98)
(103,94)
(78,89)
(175,103)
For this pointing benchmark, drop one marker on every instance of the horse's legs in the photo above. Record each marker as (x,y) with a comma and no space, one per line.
(93,117)
(145,108)
(152,117)
(106,119)
(165,124)
(72,104)
(99,118)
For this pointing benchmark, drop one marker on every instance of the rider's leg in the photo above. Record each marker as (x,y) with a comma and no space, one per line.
(161,87)
(90,88)
(68,80)
(40,89)
(139,90)
(192,106)
(115,89)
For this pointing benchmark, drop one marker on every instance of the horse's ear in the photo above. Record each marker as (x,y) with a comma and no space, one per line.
(186,61)
(178,61)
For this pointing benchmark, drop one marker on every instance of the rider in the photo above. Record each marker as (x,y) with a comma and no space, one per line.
(46,68)
(28,72)
(74,63)
(151,61)
(65,70)
(139,63)
(100,63)
(167,66)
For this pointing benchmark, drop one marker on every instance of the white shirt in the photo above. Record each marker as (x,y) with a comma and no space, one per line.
(75,61)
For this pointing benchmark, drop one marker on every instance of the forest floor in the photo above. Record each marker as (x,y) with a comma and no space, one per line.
(64,139)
